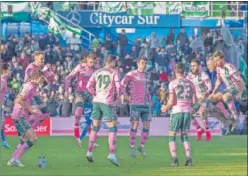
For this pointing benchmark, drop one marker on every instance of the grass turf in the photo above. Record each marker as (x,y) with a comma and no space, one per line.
(225,155)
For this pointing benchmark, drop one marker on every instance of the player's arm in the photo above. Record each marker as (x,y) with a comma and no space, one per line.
(233,72)
(28,74)
(48,74)
(72,75)
(208,84)
(169,104)
(91,85)
(193,95)
(124,83)
(117,84)
(217,82)
(171,100)
(20,99)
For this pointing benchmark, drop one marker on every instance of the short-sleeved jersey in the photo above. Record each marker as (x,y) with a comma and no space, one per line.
(104,84)
(49,75)
(230,76)
(139,87)
(201,82)
(82,74)
(28,92)
(4,89)
(183,90)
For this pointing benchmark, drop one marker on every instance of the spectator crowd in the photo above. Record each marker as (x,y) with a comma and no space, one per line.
(162,54)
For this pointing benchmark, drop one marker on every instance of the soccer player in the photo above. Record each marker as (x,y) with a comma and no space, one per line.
(216,108)
(22,109)
(38,64)
(104,85)
(82,73)
(235,85)
(4,88)
(181,99)
(140,106)
(203,88)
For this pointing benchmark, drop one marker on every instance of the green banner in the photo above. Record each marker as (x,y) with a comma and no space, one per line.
(188,9)
(218,7)
(20,11)
(140,8)
(195,9)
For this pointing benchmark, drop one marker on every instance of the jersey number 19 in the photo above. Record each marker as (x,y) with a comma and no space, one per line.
(103,81)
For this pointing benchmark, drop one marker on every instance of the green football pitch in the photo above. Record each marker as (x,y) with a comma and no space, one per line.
(225,155)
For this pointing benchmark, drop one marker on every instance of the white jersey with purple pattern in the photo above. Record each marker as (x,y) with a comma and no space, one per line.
(231,77)
(183,90)
(104,84)
(201,82)
(139,87)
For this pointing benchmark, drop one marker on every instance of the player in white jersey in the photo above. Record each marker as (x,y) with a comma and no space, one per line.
(104,85)
(235,85)
(203,87)
(181,99)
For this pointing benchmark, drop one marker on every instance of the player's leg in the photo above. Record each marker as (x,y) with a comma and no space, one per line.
(174,127)
(96,122)
(134,119)
(229,100)
(204,119)
(146,120)
(4,142)
(78,114)
(220,106)
(23,127)
(224,117)
(110,117)
(195,123)
(87,115)
(184,137)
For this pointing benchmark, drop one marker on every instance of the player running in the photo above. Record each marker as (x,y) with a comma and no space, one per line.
(4,89)
(235,85)
(82,73)
(140,106)
(104,85)
(38,64)
(181,99)
(21,111)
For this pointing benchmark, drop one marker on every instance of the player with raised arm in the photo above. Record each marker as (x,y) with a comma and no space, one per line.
(21,111)
(182,97)
(82,72)
(4,89)
(140,106)
(235,85)
(104,85)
